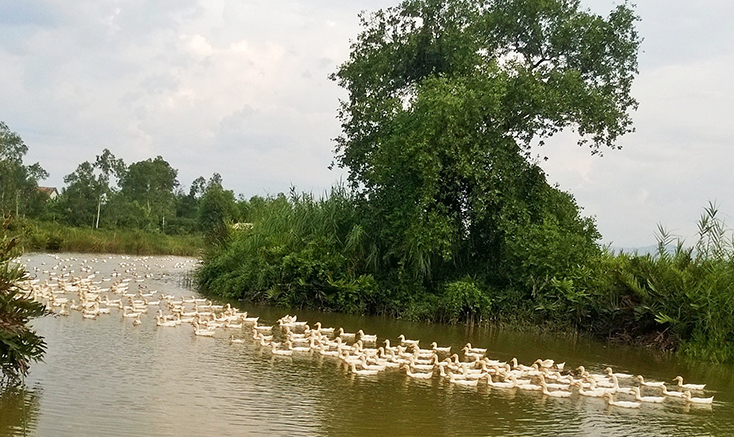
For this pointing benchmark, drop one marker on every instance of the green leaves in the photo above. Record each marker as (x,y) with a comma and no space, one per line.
(19,344)
(150,183)
(465,299)
(299,252)
(19,193)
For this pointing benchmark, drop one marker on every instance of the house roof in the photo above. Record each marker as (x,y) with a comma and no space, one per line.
(49,190)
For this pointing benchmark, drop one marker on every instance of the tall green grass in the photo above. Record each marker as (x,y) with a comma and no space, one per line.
(299,252)
(680,298)
(55,237)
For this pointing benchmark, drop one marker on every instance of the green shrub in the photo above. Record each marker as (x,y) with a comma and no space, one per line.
(19,344)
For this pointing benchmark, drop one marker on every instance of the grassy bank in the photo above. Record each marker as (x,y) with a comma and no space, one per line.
(54,237)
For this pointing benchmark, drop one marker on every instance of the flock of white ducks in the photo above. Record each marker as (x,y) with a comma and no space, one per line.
(357,350)
(361,355)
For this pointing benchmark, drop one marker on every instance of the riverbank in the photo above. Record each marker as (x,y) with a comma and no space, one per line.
(314,255)
(40,236)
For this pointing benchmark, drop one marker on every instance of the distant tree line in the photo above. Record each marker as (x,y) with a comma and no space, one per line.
(108,193)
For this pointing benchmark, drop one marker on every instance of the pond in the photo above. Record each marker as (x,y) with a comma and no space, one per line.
(107,376)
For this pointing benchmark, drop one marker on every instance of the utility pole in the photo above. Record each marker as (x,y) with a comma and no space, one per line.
(99,206)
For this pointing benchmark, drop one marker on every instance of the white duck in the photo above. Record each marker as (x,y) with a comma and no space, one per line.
(362,372)
(264,329)
(475,350)
(688,386)
(554,385)
(325,331)
(460,381)
(593,392)
(522,367)
(324,350)
(165,323)
(282,352)
(203,332)
(63,311)
(653,399)
(346,336)
(422,365)
(555,393)
(610,372)
(525,385)
(249,320)
(405,341)
(304,349)
(687,397)
(617,389)
(419,375)
(546,364)
(642,381)
(622,404)
(367,338)
(672,394)
(438,349)
(128,312)
(501,384)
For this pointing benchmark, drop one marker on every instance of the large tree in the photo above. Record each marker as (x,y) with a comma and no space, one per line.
(446,99)
(149,185)
(79,198)
(217,207)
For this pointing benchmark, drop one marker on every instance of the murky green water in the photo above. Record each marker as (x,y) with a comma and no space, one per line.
(107,377)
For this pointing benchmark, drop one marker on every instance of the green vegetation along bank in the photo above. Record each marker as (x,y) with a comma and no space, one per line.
(43,236)
(314,253)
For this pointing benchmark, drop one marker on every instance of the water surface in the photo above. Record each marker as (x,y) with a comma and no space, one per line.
(107,377)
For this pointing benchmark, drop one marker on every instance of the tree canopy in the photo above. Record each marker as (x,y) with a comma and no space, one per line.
(551,64)
(19,192)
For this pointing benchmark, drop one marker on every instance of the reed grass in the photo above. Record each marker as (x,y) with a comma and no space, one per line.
(680,299)
(300,252)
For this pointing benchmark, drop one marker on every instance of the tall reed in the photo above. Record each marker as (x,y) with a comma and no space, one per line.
(680,298)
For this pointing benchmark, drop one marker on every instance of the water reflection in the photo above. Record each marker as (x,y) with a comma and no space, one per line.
(19,407)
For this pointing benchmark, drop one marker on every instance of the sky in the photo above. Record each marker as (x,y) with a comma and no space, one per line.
(241,88)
